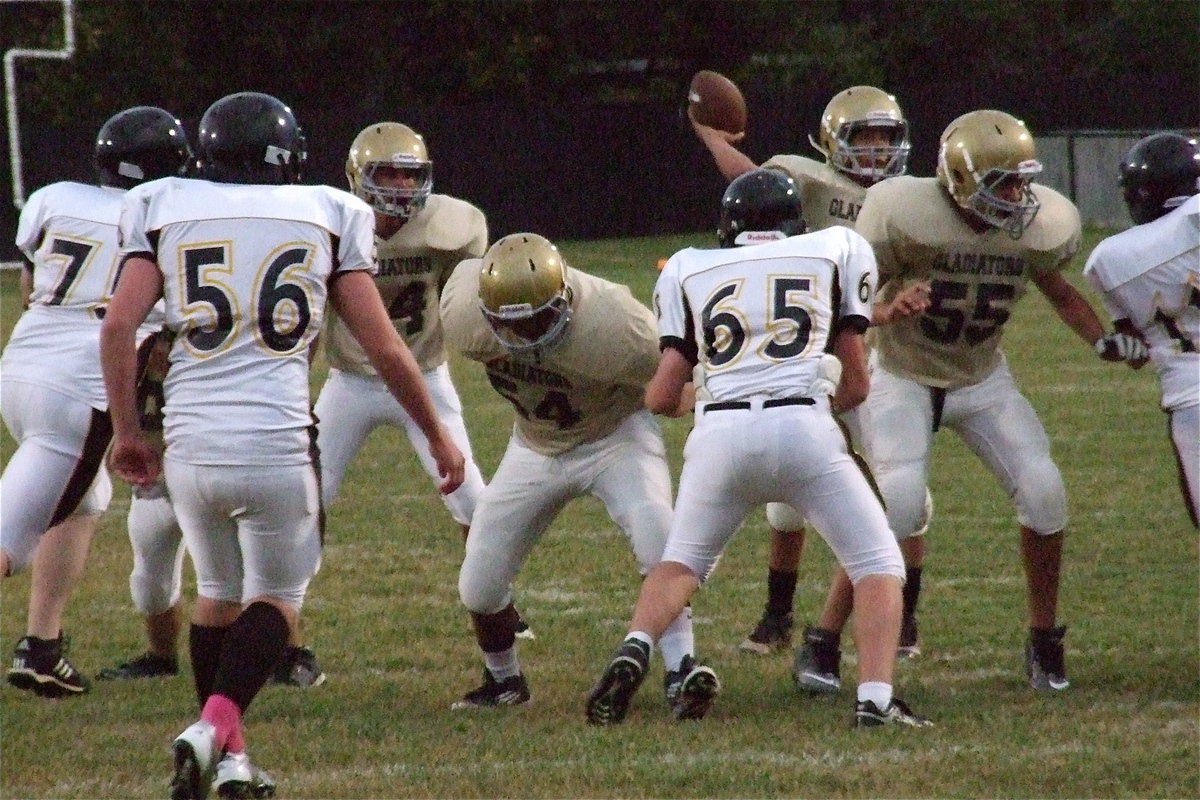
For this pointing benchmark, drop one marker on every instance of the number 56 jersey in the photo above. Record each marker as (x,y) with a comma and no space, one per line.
(758,318)
(245,270)
(976,277)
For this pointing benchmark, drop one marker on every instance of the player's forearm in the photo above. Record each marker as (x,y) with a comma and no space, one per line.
(730,161)
(404,379)
(1079,315)
(118,364)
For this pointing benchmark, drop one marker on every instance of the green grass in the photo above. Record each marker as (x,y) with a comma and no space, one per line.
(384,617)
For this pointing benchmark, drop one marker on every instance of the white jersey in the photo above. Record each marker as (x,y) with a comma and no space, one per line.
(69,233)
(1150,275)
(758,318)
(245,272)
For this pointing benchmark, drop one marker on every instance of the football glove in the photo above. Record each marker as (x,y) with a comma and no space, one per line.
(829,373)
(1121,347)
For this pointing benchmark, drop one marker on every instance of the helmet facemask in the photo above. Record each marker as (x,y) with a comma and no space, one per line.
(391,200)
(872,162)
(989,204)
(522,328)
(523,292)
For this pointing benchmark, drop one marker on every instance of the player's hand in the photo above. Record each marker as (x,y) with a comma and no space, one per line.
(450,461)
(911,300)
(705,132)
(1123,347)
(136,460)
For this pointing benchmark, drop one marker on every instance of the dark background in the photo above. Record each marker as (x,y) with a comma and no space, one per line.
(565,117)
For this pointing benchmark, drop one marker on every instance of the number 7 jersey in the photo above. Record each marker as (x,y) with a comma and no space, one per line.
(976,278)
(245,270)
(762,315)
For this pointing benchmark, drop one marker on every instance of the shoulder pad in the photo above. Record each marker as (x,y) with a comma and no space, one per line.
(455,224)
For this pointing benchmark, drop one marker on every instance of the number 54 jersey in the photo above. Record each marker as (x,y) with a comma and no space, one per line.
(245,270)
(976,277)
(759,317)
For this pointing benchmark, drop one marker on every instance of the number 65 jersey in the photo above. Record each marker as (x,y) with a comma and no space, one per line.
(976,277)
(245,270)
(759,317)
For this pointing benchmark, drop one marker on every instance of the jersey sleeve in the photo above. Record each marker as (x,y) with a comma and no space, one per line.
(462,321)
(131,230)
(859,278)
(356,239)
(1095,274)
(670,307)
(31,223)
(872,225)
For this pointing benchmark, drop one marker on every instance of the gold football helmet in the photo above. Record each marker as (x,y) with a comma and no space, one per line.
(396,146)
(986,161)
(523,291)
(855,111)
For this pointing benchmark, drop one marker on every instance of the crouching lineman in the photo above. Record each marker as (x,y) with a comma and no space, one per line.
(572,353)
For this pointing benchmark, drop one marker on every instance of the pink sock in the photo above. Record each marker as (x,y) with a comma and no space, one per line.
(226,717)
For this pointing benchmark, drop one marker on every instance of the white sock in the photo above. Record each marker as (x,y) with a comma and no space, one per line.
(678,640)
(878,693)
(503,664)
(642,637)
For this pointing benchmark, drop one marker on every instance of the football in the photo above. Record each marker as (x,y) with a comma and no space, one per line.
(716,101)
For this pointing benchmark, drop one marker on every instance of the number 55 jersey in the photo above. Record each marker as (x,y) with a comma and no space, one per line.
(976,277)
(245,272)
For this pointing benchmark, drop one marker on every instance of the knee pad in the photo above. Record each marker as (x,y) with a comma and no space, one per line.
(783,517)
(1041,498)
(156,581)
(480,590)
(904,493)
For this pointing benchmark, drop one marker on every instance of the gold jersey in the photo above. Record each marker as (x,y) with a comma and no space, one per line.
(581,388)
(827,197)
(413,264)
(919,234)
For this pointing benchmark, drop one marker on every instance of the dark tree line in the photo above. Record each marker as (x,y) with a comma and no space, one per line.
(539,105)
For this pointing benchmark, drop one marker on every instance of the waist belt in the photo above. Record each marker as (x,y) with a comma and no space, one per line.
(744,405)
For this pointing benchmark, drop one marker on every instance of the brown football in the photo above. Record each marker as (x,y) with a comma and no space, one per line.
(716,101)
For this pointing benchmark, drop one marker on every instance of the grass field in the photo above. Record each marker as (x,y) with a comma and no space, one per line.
(384,617)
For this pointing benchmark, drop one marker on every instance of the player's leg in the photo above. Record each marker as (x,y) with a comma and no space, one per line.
(155,583)
(774,630)
(841,504)
(1185,437)
(634,483)
(347,410)
(707,513)
(524,496)
(252,573)
(53,480)
(1000,426)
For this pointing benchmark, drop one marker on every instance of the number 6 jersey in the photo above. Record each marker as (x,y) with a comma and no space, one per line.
(759,317)
(919,233)
(245,270)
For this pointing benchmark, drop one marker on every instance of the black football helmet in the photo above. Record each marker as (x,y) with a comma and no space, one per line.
(759,206)
(250,137)
(1158,173)
(140,144)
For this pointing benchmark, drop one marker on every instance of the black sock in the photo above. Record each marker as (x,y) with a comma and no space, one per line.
(204,643)
(912,590)
(254,645)
(781,590)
